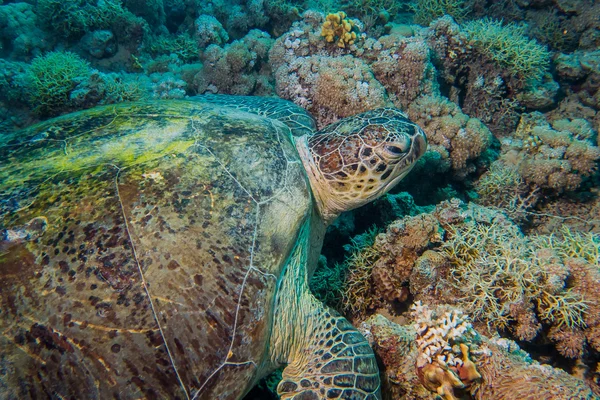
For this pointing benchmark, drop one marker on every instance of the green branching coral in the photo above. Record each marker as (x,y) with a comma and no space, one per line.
(367,8)
(75,17)
(182,45)
(508,46)
(428,10)
(51,78)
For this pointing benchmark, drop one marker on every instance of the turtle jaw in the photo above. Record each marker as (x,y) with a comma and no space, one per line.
(327,205)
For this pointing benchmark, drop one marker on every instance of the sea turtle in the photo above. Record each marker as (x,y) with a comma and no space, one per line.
(162,249)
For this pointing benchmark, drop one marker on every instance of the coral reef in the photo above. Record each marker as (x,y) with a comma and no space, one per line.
(236,68)
(22,37)
(336,82)
(210,31)
(557,156)
(429,10)
(478,259)
(489,76)
(508,93)
(500,368)
(440,333)
(508,46)
(51,79)
(454,135)
(337,28)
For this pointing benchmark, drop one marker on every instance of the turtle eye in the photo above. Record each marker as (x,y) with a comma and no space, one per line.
(394,150)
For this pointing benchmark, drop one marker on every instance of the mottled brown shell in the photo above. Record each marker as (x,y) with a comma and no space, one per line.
(140,250)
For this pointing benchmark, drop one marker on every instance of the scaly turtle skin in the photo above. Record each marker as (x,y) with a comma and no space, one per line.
(162,249)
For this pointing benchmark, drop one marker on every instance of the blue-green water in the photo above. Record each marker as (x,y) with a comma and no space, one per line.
(500,218)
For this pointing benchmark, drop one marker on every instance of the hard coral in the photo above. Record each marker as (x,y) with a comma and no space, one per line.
(482,71)
(338,28)
(508,282)
(239,67)
(209,31)
(442,334)
(551,158)
(21,34)
(403,66)
(75,18)
(508,46)
(51,79)
(497,368)
(454,135)
(428,10)
(502,186)
(333,82)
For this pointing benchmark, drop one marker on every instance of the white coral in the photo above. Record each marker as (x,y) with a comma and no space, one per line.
(437,333)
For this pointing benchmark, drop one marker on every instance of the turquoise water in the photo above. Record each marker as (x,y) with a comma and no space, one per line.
(500,218)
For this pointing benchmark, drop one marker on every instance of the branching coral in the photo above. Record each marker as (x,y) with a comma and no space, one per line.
(508,46)
(182,45)
(442,337)
(428,10)
(486,88)
(51,79)
(502,186)
(339,29)
(495,268)
(359,266)
(74,18)
(478,259)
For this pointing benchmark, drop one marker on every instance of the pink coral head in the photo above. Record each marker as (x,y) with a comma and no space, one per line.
(359,158)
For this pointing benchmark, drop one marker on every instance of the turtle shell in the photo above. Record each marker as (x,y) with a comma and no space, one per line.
(140,250)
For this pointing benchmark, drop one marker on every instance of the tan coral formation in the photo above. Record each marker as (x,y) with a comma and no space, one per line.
(557,156)
(451,133)
(508,282)
(441,336)
(497,368)
(365,74)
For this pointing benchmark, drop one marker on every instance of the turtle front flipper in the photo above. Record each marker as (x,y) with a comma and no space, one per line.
(337,363)
(325,357)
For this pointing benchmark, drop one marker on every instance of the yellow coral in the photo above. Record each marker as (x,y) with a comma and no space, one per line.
(338,27)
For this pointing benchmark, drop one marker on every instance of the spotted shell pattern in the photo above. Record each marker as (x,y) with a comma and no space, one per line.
(140,249)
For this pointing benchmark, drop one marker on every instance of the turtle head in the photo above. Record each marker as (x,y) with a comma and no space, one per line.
(358,159)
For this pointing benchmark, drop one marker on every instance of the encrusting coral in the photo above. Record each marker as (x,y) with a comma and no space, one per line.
(337,28)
